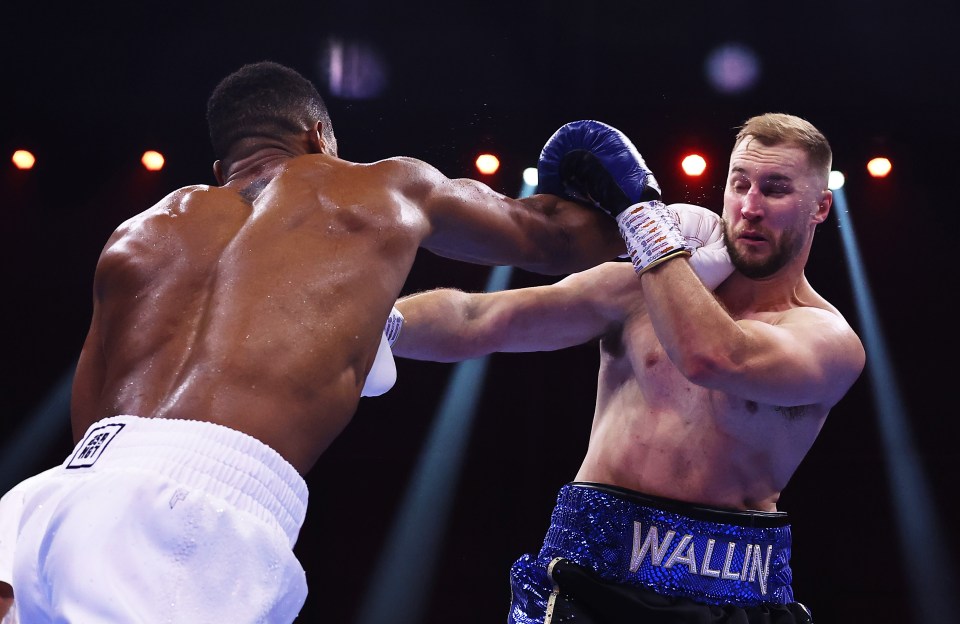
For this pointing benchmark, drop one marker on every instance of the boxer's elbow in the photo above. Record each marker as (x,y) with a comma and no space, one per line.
(701,371)
(705,367)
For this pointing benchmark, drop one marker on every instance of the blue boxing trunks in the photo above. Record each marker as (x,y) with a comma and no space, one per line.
(613,555)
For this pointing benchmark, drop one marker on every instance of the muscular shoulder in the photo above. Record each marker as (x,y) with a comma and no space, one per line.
(183,202)
(826,327)
(813,312)
(406,172)
(818,340)
(182,218)
(401,176)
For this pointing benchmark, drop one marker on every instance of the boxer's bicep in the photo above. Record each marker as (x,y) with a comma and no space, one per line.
(809,356)
(541,234)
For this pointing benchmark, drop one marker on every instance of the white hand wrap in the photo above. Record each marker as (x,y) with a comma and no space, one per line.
(393,326)
(652,233)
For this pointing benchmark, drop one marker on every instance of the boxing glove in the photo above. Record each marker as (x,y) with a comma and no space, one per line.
(383,373)
(702,231)
(591,162)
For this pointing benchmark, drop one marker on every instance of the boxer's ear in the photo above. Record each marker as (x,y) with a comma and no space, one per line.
(823,207)
(317,143)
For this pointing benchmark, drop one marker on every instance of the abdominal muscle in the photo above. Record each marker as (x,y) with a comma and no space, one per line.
(661,435)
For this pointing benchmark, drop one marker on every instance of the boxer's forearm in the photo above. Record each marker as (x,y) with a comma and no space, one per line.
(694,329)
(437,327)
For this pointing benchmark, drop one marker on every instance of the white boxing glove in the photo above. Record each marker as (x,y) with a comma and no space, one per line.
(383,373)
(702,230)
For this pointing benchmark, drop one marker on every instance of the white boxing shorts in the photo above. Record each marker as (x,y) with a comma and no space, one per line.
(11,511)
(162,520)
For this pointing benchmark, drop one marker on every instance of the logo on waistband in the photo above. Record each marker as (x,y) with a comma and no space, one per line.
(93,446)
(755,566)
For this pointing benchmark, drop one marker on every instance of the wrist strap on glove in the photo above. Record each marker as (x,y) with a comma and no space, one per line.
(652,233)
(392,328)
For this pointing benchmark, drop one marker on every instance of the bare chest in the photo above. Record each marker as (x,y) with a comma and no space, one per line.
(639,376)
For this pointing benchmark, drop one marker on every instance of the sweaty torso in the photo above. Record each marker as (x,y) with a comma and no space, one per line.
(258,305)
(656,432)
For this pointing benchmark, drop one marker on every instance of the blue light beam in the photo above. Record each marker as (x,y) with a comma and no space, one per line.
(928,572)
(405,571)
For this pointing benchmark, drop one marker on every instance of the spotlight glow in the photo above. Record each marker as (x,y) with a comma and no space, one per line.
(23,159)
(530,177)
(836,180)
(487,164)
(152,161)
(354,70)
(732,68)
(694,165)
(879,167)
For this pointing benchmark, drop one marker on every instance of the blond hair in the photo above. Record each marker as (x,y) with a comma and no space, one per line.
(779,128)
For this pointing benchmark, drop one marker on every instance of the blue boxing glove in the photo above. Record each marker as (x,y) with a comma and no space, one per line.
(591,162)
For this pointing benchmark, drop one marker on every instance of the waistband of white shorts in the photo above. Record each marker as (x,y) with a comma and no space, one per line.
(223,462)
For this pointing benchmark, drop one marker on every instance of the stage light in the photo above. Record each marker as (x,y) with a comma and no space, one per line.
(152,161)
(398,587)
(879,167)
(928,570)
(530,177)
(354,70)
(836,181)
(23,159)
(732,68)
(693,165)
(487,164)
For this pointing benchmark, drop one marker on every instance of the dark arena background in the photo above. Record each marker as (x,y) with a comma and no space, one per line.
(429,525)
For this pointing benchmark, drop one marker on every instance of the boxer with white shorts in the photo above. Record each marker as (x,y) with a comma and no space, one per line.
(11,516)
(120,530)
(234,330)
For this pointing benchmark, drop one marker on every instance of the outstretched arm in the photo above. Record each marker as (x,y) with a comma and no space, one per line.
(587,161)
(448,325)
(467,220)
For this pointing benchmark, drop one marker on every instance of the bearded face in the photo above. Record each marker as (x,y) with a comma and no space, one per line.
(757,264)
(772,202)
